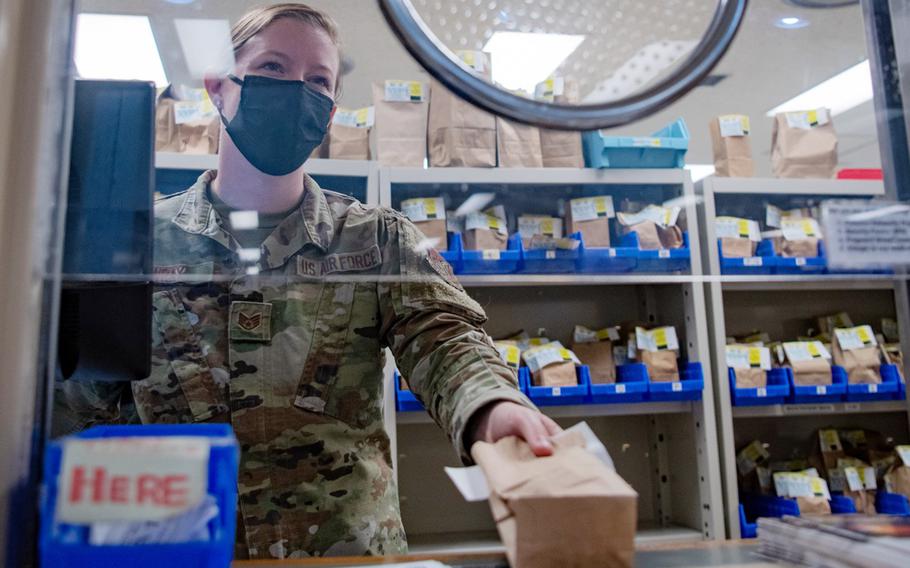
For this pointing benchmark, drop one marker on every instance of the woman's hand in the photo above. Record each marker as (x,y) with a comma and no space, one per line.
(505,418)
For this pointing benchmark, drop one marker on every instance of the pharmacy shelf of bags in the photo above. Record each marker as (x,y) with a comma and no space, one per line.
(668,428)
(767,291)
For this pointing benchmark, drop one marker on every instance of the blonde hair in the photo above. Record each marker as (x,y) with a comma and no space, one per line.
(259,18)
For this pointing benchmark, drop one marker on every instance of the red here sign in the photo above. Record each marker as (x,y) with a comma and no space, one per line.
(131,479)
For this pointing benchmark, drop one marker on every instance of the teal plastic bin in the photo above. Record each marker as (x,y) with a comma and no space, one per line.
(666,148)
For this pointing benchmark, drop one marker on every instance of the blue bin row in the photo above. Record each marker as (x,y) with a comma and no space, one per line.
(67,545)
(666,148)
(766,262)
(782,389)
(632,385)
(515,259)
(753,506)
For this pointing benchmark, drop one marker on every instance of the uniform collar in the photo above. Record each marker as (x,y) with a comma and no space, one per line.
(313,224)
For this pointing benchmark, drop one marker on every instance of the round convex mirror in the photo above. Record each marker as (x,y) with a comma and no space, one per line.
(574,64)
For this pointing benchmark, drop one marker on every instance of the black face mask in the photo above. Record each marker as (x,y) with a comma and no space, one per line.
(278,123)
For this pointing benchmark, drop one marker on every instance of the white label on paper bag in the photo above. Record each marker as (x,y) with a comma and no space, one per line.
(797,229)
(543,356)
(807,119)
(424,209)
(131,479)
(663,216)
(658,339)
(510,354)
(590,208)
(531,226)
(773,215)
(741,357)
(404,92)
(736,228)
(867,475)
(358,118)
(750,456)
(733,125)
(485,221)
(805,350)
(829,440)
(476,60)
(855,337)
(550,89)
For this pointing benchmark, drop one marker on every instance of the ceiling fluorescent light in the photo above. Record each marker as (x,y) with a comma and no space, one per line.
(840,93)
(522,60)
(116,46)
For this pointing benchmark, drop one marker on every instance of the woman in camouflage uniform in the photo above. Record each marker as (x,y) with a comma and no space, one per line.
(279,325)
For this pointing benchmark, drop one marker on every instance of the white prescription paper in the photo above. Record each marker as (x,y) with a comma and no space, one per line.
(472,484)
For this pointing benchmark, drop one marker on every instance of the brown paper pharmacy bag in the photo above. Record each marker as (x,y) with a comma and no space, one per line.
(598,356)
(662,367)
(518,145)
(752,378)
(814,372)
(568,509)
(803,153)
(562,148)
(459,134)
(400,130)
(349,143)
(732,154)
(863,365)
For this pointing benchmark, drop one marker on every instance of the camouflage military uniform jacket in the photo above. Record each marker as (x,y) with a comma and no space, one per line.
(292,357)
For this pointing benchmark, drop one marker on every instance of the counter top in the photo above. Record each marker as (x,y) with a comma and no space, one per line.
(719,554)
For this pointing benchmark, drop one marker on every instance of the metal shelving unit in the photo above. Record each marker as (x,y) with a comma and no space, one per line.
(779,302)
(668,451)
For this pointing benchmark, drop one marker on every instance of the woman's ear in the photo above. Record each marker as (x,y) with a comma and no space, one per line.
(213,86)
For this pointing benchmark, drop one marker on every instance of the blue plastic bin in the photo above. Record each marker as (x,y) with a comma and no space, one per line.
(556,396)
(666,148)
(888,389)
(660,261)
(891,504)
(629,387)
(405,401)
(835,392)
(746,529)
(776,392)
(67,545)
(756,506)
(690,385)
(479,262)
(549,261)
(761,263)
(841,505)
(602,260)
(798,265)
(453,254)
